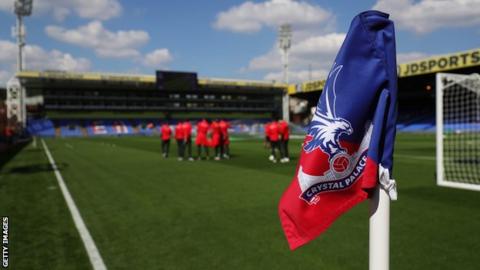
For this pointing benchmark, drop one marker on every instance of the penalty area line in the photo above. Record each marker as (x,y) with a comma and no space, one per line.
(92,250)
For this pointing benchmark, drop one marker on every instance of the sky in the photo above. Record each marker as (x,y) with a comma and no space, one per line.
(222,39)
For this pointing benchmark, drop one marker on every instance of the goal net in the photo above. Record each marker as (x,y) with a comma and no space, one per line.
(458,130)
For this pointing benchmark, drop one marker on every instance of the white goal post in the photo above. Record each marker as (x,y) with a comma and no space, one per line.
(458,130)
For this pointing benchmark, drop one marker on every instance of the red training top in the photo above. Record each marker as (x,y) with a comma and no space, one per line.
(166,132)
(179,133)
(224,125)
(273,132)
(284,130)
(202,130)
(187,129)
(216,133)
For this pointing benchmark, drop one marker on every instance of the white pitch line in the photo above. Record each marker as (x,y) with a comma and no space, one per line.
(92,251)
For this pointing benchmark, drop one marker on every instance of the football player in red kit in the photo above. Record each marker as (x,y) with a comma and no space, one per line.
(201,140)
(216,138)
(225,147)
(180,137)
(166,133)
(187,129)
(284,131)
(273,136)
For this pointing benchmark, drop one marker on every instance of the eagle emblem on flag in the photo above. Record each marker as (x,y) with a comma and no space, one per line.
(326,128)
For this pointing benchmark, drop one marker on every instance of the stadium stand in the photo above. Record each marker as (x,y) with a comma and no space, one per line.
(41,127)
(150,127)
(99,104)
(94,104)
(69,128)
(420,121)
(124,127)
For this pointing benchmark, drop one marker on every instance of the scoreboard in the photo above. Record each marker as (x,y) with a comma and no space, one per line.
(176,80)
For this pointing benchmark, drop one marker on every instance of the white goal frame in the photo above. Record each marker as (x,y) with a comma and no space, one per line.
(440,169)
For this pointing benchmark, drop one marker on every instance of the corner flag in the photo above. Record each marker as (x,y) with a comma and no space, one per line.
(351,136)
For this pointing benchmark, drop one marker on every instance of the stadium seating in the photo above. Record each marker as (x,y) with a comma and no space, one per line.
(41,127)
(150,127)
(108,127)
(417,127)
(146,127)
(412,122)
(459,127)
(70,128)
(123,127)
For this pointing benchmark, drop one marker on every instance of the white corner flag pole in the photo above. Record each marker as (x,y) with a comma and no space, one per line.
(379,234)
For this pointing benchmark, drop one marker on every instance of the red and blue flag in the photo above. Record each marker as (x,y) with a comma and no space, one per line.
(351,135)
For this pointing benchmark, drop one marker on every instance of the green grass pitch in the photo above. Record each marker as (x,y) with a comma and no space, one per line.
(146,212)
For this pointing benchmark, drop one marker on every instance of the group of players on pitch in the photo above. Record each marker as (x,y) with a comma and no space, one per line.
(277,134)
(209,135)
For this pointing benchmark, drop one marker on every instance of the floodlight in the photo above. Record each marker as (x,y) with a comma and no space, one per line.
(23,7)
(285,36)
(285,42)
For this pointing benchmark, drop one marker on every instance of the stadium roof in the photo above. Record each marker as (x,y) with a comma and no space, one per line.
(135,79)
(442,63)
(450,62)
